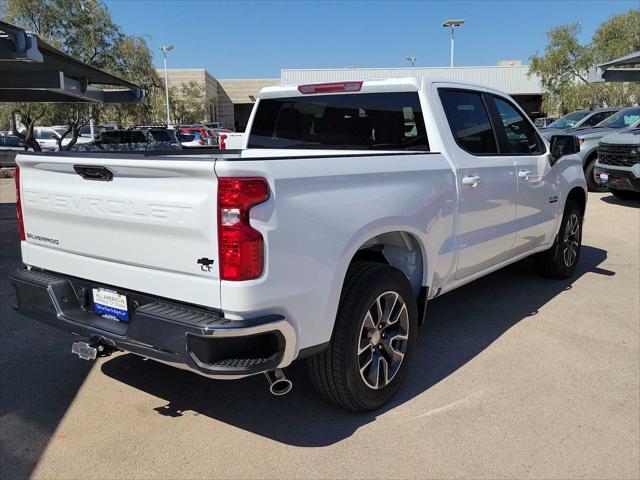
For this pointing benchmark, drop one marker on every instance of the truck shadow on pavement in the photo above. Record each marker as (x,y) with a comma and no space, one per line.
(446,342)
(39,378)
(613,200)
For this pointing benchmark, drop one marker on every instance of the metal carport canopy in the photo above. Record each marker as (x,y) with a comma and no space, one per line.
(614,71)
(33,71)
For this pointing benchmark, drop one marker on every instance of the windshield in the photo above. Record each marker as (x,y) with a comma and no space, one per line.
(362,121)
(624,118)
(569,120)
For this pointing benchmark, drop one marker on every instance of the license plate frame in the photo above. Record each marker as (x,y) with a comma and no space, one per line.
(111,304)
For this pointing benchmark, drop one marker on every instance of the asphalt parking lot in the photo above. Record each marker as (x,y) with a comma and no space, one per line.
(516,376)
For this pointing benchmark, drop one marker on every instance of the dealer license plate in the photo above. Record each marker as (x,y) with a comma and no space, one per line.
(604,177)
(110,304)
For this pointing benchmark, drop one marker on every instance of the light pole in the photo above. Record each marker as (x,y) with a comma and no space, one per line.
(412,61)
(165,49)
(452,24)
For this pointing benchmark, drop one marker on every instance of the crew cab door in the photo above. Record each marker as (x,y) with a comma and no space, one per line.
(486,182)
(538,182)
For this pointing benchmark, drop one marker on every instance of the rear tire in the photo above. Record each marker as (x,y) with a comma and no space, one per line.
(589,176)
(373,339)
(625,194)
(561,259)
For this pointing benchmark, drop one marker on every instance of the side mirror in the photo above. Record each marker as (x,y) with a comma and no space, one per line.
(562,145)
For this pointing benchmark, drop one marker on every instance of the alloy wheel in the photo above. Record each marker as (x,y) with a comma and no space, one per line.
(571,240)
(383,340)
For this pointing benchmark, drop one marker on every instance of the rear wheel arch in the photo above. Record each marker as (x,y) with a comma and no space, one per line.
(337,371)
(400,249)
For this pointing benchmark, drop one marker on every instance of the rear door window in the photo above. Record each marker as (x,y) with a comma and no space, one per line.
(363,121)
(469,121)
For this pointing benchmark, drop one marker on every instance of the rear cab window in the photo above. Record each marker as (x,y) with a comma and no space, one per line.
(362,121)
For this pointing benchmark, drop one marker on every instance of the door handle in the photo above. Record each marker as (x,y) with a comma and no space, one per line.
(524,174)
(472,180)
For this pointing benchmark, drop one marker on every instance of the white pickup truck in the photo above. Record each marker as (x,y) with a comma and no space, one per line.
(351,205)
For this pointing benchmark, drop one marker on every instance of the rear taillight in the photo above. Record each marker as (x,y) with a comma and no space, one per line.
(240,246)
(19,204)
(221,142)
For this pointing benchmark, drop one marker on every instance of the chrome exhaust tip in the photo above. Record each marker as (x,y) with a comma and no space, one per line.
(278,384)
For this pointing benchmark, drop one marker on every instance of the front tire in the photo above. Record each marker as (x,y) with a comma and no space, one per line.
(561,259)
(373,339)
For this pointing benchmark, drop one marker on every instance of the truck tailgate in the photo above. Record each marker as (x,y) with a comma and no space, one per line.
(144,229)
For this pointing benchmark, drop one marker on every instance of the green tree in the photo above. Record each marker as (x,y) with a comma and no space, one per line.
(5,113)
(618,36)
(84,29)
(26,115)
(564,69)
(188,103)
(136,65)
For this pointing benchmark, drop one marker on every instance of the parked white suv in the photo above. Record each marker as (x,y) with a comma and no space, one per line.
(351,205)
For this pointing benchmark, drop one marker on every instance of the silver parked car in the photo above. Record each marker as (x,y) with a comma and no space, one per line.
(579,119)
(589,138)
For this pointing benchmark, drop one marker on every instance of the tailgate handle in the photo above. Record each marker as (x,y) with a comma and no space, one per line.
(90,172)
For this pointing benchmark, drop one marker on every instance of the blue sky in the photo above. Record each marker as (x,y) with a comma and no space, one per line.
(255,39)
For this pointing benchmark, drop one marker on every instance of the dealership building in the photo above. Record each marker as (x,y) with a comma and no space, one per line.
(229,101)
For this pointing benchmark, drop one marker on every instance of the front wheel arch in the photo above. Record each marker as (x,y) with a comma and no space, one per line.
(588,169)
(552,262)
(579,196)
